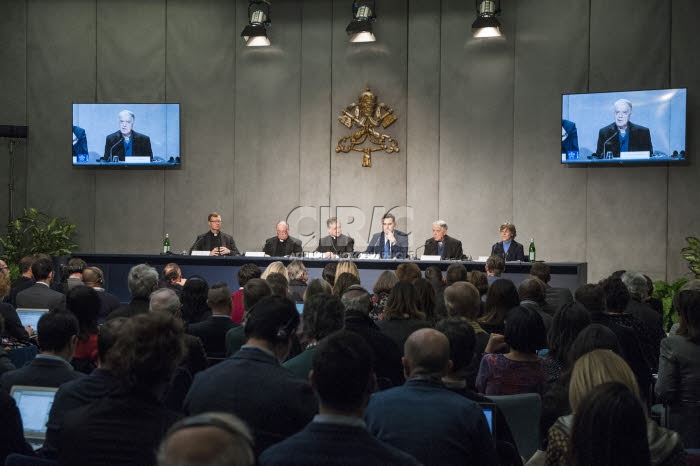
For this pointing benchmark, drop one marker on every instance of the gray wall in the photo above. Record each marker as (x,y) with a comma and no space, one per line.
(477,122)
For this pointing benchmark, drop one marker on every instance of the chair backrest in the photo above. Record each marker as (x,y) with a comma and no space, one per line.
(16,459)
(522,412)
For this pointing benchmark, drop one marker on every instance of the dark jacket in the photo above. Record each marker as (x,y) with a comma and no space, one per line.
(452,249)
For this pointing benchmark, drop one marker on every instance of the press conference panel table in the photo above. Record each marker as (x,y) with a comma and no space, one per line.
(225,269)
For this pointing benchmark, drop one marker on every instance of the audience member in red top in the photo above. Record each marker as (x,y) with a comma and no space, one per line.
(245,273)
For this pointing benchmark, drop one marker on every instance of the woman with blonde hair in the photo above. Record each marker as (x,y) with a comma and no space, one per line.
(346,267)
(275,267)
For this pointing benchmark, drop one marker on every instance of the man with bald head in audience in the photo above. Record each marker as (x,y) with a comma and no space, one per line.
(93,277)
(425,419)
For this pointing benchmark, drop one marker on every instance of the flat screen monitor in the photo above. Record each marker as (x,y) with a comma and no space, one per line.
(624,127)
(126,135)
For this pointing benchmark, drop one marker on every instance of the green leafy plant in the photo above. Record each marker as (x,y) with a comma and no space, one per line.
(691,253)
(37,232)
(666,292)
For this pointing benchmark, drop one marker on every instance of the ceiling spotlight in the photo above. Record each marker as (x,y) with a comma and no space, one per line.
(360,28)
(486,24)
(255,34)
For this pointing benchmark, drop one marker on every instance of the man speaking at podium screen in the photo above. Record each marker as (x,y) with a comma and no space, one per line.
(390,243)
(126,142)
(623,135)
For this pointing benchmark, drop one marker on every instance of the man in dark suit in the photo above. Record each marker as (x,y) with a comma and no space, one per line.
(569,137)
(142,280)
(282,245)
(80,146)
(623,135)
(554,298)
(126,142)
(253,385)
(336,243)
(215,241)
(40,295)
(442,245)
(58,337)
(212,331)
(24,281)
(390,243)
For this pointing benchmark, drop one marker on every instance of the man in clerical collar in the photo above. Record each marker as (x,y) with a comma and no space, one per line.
(336,243)
(282,244)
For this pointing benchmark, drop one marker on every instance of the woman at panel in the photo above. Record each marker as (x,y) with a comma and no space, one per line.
(508,248)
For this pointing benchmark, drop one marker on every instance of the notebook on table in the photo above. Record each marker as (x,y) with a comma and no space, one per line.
(34,404)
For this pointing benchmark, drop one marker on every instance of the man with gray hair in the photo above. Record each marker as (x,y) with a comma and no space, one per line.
(636,284)
(297,280)
(142,280)
(443,245)
(126,142)
(282,244)
(622,135)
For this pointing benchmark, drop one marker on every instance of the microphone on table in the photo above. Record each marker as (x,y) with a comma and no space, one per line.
(111,158)
(607,141)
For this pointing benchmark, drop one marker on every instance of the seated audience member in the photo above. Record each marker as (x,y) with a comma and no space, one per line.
(194,300)
(343,282)
(143,279)
(494,267)
(654,303)
(610,428)
(11,429)
(555,297)
(84,390)
(567,323)
(172,278)
(40,295)
(323,315)
(678,383)
(84,303)
(381,293)
(77,266)
(279,285)
(297,280)
(501,297)
(13,326)
(58,337)
(245,273)
(593,369)
(387,356)
(212,331)
(532,295)
(274,403)
(479,280)
(426,299)
(329,273)
(637,286)
(282,245)
(343,380)
(317,286)
(255,290)
(126,426)
(401,316)
(208,439)
(6,364)
(24,281)
(519,370)
(455,273)
(462,302)
(408,272)
(94,278)
(425,419)
(508,249)
(434,275)
(346,267)
(275,267)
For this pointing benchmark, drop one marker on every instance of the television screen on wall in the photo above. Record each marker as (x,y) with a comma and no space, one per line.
(624,127)
(126,135)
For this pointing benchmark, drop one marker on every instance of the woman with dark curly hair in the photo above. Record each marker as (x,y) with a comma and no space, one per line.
(381,292)
(401,314)
(194,300)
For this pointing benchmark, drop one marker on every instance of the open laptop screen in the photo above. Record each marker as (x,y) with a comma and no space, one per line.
(34,404)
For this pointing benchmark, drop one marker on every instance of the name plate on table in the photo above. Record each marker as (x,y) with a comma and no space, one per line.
(137,159)
(368,256)
(482,258)
(635,155)
(199,253)
(426,257)
(254,254)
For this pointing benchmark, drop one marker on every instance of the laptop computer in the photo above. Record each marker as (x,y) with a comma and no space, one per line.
(34,404)
(30,316)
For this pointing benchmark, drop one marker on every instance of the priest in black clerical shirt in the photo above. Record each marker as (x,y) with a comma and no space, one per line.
(336,242)
(215,241)
(282,244)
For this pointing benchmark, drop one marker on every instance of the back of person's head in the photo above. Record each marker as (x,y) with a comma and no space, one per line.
(592,337)
(607,411)
(541,271)
(296,270)
(616,275)
(93,276)
(323,314)
(636,285)
(426,299)
(219,298)
(194,293)
(479,280)
(501,297)
(434,275)
(84,303)
(357,299)
(385,282)
(402,303)
(77,263)
(567,323)
(597,367)
(148,349)
(317,286)
(462,300)
(5,284)
(171,272)
(279,285)
(455,273)
(462,340)
(207,439)
(495,265)
(592,297)
(426,352)
(142,280)
(525,330)
(253,291)
(409,272)
(275,267)
(346,267)
(165,300)
(274,320)
(343,372)
(343,282)
(109,332)
(42,268)
(532,289)
(56,329)
(617,297)
(25,264)
(329,272)
(248,272)
(687,304)
(650,286)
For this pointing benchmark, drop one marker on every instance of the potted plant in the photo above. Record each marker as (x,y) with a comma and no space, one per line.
(691,253)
